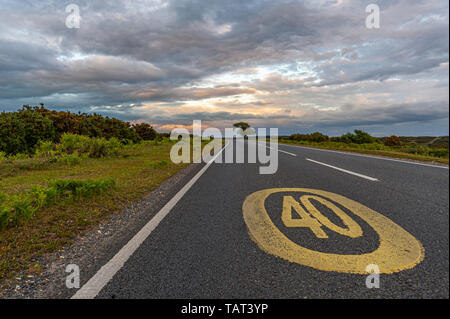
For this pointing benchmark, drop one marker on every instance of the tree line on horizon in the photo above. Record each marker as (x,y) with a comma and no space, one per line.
(361,137)
(21,131)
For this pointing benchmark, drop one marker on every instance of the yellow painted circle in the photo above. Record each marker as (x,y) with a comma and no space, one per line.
(398,250)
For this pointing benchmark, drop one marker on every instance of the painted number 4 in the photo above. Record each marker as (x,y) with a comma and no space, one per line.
(314,220)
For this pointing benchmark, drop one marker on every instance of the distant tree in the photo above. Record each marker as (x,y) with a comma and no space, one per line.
(242,125)
(245,127)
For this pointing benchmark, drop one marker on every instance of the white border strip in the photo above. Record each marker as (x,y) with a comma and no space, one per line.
(93,287)
(344,170)
(368,156)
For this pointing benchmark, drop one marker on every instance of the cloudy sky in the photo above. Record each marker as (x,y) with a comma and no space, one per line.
(301,66)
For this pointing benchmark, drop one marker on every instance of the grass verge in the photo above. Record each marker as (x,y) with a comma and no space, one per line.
(55,223)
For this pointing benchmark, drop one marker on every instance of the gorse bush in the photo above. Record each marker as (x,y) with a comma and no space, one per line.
(19,208)
(22,131)
(92,125)
(145,131)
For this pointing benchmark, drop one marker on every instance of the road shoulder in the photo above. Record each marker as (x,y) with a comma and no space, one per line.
(358,153)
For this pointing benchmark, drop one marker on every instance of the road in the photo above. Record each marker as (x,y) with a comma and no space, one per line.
(203,247)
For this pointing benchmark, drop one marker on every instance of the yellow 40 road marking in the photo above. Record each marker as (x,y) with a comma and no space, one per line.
(398,250)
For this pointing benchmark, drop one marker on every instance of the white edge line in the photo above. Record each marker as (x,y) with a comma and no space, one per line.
(93,287)
(368,156)
(344,170)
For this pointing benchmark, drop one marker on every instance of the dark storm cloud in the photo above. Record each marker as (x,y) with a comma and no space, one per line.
(129,53)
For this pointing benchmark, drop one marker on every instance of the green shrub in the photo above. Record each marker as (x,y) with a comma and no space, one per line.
(19,156)
(71,150)
(69,159)
(39,194)
(90,187)
(23,207)
(18,208)
(81,187)
(21,131)
(98,147)
(45,149)
(358,137)
(93,146)
(71,143)
(145,131)
(114,146)
(15,209)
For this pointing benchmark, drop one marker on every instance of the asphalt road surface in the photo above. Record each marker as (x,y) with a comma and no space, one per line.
(204,247)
